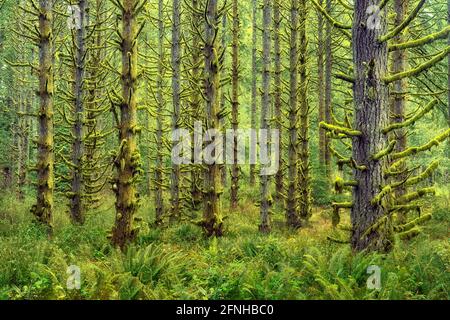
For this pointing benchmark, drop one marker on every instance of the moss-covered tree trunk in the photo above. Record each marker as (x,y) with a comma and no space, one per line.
(371,116)
(398,96)
(45,148)
(195,99)
(76,195)
(279,183)
(448,83)
(234,189)
(176,91)
(128,158)
(292,215)
(304,179)
(265,205)
(22,143)
(320,85)
(94,88)
(328,87)
(212,219)
(254,81)
(159,170)
(223,91)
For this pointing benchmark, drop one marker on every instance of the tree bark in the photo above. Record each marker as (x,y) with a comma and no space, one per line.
(235,106)
(304,179)
(223,100)
(279,183)
(371,116)
(159,173)
(254,82)
(76,196)
(320,86)
(93,181)
(398,103)
(128,158)
(328,87)
(212,219)
(22,144)
(195,101)
(43,209)
(292,214)
(265,106)
(448,83)
(176,90)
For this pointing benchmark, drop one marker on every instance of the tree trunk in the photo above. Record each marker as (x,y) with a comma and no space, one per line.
(254,78)
(398,103)
(43,209)
(22,141)
(212,219)
(279,184)
(76,206)
(328,88)
(175,176)
(223,167)
(235,106)
(371,116)
(93,181)
(196,113)
(292,214)
(320,86)
(159,173)
(304,179)
(265,106)
(448,84)
(128,158)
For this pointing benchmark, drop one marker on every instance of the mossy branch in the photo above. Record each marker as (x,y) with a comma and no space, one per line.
(408,226)
(386,151)
(398,167)
(345,5)
(415,195)
(338,129)
(420,42)
(409,182)
(385,191)
(335,23)
(404,207)
(404,23)
(425,174)
(413,119)
(420,68)
(345,77)
(407,235)
(413,150)
(340,184)
(375,226)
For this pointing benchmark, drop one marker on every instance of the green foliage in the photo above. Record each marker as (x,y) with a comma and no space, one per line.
(150,264)
(177,262)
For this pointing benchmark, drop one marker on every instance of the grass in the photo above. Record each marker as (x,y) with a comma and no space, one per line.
(177,262)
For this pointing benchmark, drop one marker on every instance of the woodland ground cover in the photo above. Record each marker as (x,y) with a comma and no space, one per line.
(178,262)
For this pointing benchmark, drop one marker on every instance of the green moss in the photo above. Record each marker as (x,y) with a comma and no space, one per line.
(338,129)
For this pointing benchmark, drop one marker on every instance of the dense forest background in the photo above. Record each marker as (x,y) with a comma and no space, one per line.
(94,207)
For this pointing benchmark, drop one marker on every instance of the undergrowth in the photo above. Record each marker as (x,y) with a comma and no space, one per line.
(177,262)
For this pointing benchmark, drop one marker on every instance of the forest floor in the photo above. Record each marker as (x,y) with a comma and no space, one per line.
(177,262)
